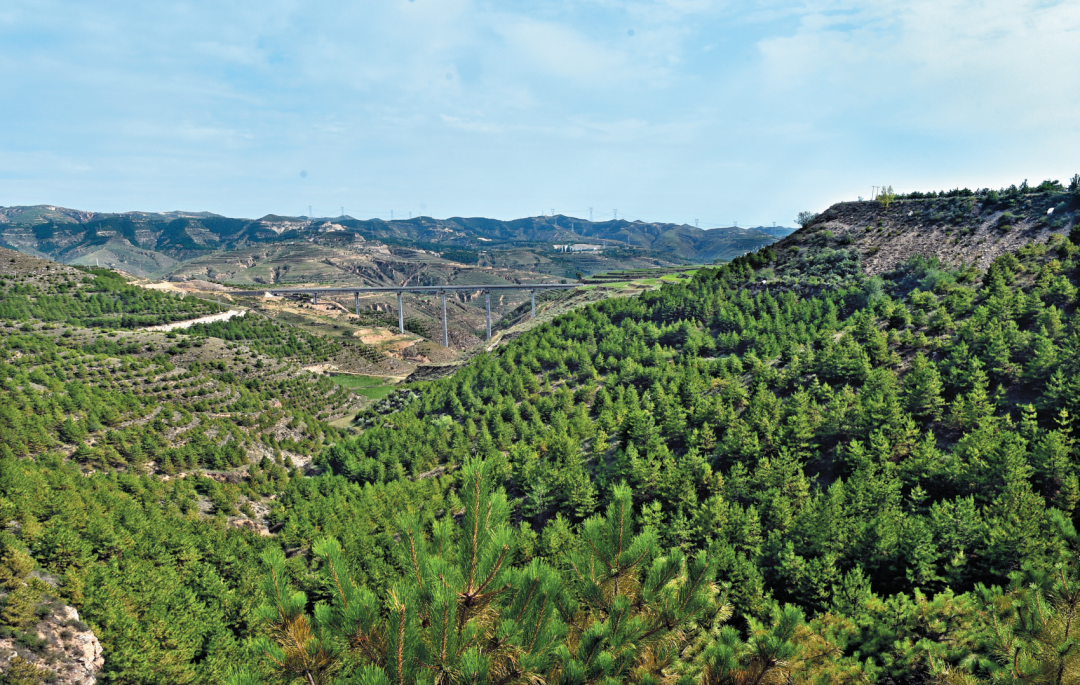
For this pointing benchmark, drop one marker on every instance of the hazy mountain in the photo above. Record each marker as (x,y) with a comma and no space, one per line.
(152,243)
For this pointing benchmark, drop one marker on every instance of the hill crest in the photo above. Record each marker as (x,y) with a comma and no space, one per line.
(959,231)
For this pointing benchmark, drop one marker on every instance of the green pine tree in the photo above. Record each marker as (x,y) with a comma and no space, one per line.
(922,389)
(634,600)
(461,613)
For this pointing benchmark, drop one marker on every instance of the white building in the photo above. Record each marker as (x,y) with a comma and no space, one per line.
(578,247)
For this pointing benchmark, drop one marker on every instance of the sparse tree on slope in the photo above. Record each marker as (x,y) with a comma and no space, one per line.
(804,219)
(886,196)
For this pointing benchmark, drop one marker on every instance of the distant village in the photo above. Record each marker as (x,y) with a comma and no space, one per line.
(578,247)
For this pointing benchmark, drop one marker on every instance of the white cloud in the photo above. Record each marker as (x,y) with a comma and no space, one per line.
(932,64)
(555,50)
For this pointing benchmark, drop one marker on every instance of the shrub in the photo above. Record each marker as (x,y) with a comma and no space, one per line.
(22,672)
(804,219)
(19,608)
(30,640)
(1074,234)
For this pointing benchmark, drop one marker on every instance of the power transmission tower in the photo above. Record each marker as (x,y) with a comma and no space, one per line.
(342,212)
(695,223)
(590,213)
(309,213)
(616,214)
(391,215)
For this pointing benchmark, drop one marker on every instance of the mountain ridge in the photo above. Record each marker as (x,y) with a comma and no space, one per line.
(68,235)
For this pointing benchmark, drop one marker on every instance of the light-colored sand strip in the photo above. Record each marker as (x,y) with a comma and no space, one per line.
(224,316)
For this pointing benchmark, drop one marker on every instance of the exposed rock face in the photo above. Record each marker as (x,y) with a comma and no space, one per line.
(67,649)
(955,230)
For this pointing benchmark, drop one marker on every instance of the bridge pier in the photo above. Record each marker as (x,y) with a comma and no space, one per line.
(445,334)
(427,289)
(487,305)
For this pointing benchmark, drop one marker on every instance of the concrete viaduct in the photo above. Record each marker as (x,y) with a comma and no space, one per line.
(439,290)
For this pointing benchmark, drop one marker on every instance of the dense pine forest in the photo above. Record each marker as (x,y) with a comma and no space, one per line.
(780,470)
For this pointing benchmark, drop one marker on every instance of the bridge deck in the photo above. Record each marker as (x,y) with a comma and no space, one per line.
(405,289)
(440,290)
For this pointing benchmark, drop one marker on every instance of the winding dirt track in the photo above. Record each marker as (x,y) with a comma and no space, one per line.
(224,316)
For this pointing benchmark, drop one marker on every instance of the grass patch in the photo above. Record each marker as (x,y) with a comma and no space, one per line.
(351,381)
(371,387)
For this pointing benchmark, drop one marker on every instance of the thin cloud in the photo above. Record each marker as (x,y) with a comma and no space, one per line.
(705,109)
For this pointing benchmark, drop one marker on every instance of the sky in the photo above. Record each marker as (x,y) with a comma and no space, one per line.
(674,110)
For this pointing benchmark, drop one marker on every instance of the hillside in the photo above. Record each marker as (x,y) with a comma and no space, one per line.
(153,244)
(956,230)
(803,466)
(120,447)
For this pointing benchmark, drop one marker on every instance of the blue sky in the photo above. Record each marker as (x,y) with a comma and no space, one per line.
(675,110)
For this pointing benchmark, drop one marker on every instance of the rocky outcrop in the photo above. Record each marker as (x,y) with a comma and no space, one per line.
(61,648)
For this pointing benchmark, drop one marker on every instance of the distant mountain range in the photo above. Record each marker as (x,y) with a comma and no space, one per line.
(157,242)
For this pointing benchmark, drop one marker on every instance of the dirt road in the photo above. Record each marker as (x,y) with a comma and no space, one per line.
(224,316)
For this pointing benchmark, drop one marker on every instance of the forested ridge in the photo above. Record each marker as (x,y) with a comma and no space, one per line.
(879,455)
(98,299)
(832,478)
(103,436)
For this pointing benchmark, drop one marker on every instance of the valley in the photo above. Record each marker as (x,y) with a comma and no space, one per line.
(848,455)
(209,251)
